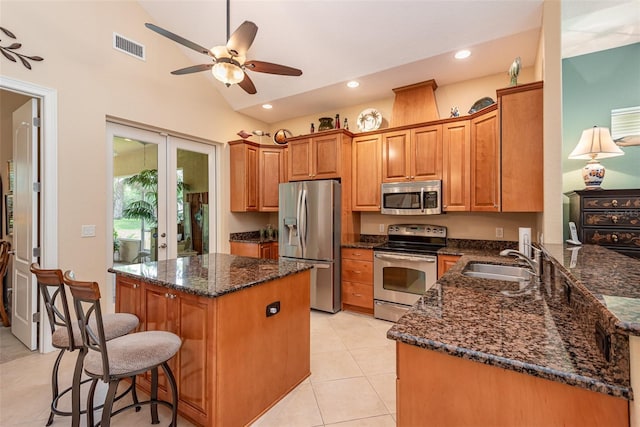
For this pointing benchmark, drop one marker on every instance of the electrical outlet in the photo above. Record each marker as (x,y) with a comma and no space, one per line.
(499,232)
(381,228)
(88,231)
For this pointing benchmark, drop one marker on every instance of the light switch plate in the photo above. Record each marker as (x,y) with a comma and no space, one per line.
(88,231)
(499,232)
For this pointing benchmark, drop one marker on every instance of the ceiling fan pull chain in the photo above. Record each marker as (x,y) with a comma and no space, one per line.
(228,19)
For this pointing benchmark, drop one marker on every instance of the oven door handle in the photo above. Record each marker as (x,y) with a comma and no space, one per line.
(405,258)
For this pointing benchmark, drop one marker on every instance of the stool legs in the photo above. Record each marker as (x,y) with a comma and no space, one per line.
(54,386)
(154,395)
(174,393)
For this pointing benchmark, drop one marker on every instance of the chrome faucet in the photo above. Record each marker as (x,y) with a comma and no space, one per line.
(535,264)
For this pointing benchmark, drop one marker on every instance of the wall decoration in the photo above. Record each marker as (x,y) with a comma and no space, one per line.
(8,206)
(514,70)
(11,175)
(10,53)
(625,126)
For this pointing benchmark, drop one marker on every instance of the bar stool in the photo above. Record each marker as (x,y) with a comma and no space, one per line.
(5,251)
(122,357)
(66,336)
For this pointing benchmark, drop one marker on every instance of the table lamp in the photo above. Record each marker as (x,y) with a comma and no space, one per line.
(595,143)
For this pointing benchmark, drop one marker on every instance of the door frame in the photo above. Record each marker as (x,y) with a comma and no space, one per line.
(48,154)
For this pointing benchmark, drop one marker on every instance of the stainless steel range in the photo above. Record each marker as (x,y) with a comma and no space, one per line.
(405,267)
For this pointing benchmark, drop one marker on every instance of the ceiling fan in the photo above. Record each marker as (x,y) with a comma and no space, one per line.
(229,63)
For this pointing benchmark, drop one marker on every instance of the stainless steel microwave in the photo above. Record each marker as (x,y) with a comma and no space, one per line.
(412,198)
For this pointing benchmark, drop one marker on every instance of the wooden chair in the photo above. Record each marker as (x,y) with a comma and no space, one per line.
(66,336)
(122,357)
(5,251)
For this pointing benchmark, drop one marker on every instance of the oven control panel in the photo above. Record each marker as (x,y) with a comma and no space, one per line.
(422,230)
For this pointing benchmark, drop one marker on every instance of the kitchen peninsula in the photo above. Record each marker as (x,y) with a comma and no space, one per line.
(244,325)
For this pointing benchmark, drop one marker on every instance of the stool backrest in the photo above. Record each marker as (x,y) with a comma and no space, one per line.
(5,252)
(51,285)
(86,301)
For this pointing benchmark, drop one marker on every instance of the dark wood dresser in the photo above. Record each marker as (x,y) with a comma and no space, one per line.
(609,218)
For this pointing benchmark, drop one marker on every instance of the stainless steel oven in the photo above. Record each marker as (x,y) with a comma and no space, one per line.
(405,268)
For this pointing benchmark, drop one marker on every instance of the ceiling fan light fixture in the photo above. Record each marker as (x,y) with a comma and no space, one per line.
(227,73)
(353,84)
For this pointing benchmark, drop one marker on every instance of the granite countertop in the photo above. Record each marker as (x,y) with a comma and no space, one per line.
(210,275)
(536,333)
(610,278)
(251,237)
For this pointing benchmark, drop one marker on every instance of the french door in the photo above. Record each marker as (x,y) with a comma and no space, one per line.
(163,195)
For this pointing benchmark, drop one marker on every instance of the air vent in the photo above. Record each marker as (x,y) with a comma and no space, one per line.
(127,46)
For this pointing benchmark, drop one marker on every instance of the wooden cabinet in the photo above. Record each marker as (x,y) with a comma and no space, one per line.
(315,157)
(413,154)
(366,174)
(256,172)
(609,218)
(357,280)
(466,395)
(521,126)
(445,262)
(267,250)
(485,163)
(456,162)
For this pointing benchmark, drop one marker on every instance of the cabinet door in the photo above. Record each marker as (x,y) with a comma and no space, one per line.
(455,164)
(445,262)
(426,153)
(300,160)
(396,152)
(265,250)
(366,173)
(244,176)
(522,149)
(274,250)
(271,175)
(245,249)
(326,157)
(485,163)
(128,293)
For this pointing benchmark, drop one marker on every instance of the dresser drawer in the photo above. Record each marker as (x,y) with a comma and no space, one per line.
(357,294)
(357,271)
(357,254)
(618,238)
(611,202)
(615,218)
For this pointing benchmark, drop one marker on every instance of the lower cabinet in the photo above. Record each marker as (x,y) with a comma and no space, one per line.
(357,280)
(445,262)
(268,250)
(454,391)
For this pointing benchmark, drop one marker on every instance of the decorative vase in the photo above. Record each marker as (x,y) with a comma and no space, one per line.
(326,123)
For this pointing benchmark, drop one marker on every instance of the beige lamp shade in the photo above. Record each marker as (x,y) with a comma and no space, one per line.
(595,143)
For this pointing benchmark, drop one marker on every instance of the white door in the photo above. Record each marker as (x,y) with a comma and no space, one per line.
(25,223)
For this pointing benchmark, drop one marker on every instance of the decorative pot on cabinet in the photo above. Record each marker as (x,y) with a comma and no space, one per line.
(326,123)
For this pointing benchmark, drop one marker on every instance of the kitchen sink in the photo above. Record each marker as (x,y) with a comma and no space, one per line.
(511,273)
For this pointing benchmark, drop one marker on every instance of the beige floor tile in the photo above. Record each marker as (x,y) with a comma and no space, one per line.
(298,409)
(333,365)
(362,337)
(385,386)
(381,421)
(346,320)
(325,340)
(376,360)
(349,399)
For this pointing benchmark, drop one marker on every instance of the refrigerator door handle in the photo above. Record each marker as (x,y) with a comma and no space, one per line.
(303,223)
(299,224)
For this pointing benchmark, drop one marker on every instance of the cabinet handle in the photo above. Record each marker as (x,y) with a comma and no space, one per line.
(356,271)
(614,219)
(136,286)
(356,295)
(412,176)
(614,237)
(614,203)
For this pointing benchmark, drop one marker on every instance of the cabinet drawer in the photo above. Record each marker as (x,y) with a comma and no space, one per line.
(357,271)
(621,202)
(357,294)
(616,218)
(357,254)
(619,238)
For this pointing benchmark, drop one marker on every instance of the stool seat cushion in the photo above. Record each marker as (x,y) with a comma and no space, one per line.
(115,325)
(134,353)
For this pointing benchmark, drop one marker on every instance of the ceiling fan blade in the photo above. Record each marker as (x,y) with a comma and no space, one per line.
(248,85)
(268,67)
(192,69)
(242,38)
(178,39)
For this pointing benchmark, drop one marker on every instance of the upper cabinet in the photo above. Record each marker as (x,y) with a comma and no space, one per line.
(412,154)
(316,157)
(256,172)
(456,164)
(365,173)
(521,122)
(485,163)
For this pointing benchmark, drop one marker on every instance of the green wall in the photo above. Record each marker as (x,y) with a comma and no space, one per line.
(593,85)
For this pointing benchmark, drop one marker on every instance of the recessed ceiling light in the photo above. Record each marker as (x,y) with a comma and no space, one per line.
(267,106)
(462,54)
(353,84)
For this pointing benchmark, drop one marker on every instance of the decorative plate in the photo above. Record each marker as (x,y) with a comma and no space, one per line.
(369,119)
(281,135)
(480,104)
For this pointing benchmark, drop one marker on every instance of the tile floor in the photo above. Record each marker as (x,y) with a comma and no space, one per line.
(352,382)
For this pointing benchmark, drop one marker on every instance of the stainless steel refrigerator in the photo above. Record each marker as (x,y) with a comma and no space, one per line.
(309,231)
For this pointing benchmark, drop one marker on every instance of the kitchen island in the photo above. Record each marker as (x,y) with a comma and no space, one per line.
(244,324)
(555,355)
